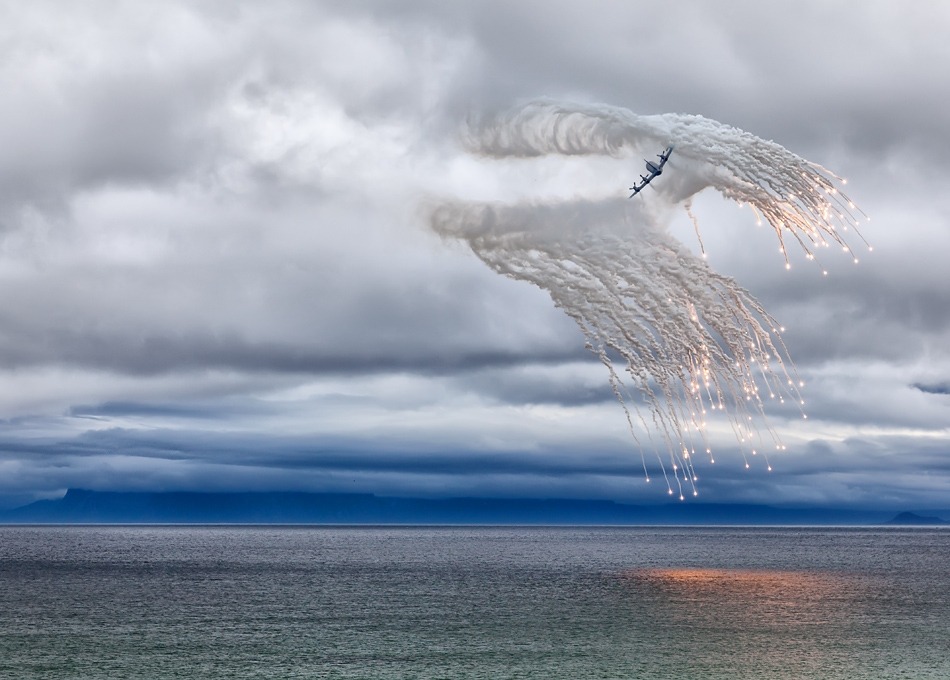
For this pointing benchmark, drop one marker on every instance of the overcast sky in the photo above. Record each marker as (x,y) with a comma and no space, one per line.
(216,269)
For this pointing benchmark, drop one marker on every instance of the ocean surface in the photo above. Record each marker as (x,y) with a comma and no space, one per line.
(449,602)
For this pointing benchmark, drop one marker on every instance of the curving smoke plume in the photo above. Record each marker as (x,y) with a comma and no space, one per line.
(678,340)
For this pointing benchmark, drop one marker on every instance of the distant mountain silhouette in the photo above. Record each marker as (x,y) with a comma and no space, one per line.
(108,507)
(910,518)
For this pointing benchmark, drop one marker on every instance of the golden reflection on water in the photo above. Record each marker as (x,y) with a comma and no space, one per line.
(766,623)
(754,579)
(749,596)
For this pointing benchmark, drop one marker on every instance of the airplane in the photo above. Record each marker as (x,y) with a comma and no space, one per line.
(655,170)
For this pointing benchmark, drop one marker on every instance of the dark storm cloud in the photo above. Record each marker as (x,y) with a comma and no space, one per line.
(892,472)
(822,473)
(138,122)
(893,305)
(101,93)
(806,74)
(86,117)
(129,408)
(349,454)
(326,462)
(155,354)
(529,387)
(876,321)
(934,388)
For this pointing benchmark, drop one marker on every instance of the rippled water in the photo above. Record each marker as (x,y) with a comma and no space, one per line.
(256,602)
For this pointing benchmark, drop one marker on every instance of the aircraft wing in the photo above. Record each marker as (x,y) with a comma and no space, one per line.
(637,188)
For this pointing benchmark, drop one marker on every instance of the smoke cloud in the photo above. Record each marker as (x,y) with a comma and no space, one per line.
(678,340)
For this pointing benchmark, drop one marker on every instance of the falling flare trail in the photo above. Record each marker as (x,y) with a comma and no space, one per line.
(690,341)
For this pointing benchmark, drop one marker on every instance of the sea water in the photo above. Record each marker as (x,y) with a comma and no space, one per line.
(474,602)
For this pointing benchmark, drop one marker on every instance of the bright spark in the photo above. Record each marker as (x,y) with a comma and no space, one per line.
(688,339)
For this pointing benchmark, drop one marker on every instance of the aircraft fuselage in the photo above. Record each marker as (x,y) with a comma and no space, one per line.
(655,170)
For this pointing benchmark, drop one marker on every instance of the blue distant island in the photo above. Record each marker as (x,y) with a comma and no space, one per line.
(186,507)
(913,519)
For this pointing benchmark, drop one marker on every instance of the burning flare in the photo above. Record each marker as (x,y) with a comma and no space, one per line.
(690,341)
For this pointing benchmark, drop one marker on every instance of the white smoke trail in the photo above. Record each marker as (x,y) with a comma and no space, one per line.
(792,195)
(691,341)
